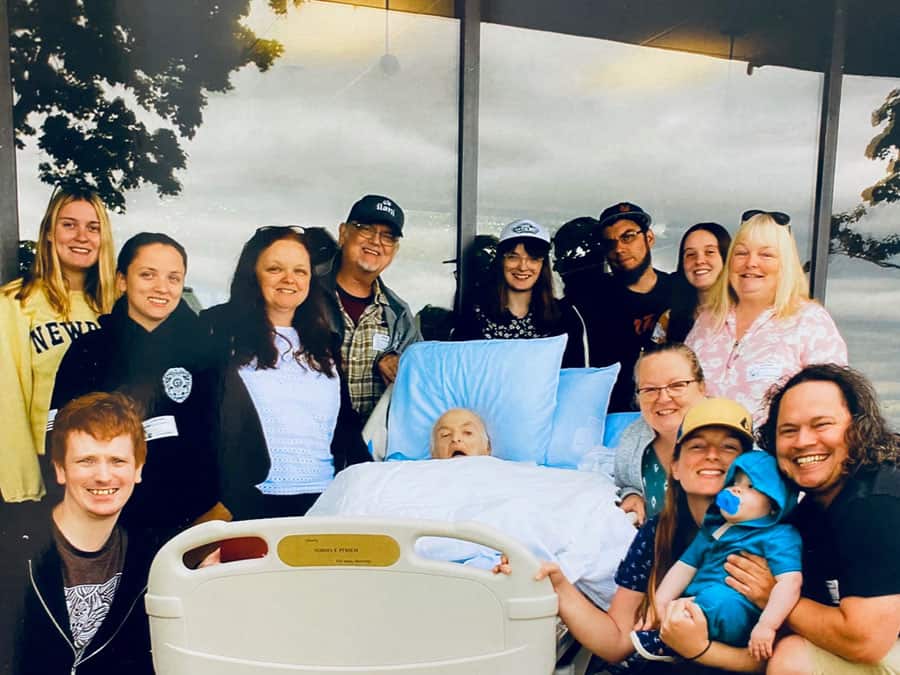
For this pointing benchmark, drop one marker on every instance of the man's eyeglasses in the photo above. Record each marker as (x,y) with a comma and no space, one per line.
(296,229)
(674,389)
(609,243)
(371,233)
(782,219)
(516,259)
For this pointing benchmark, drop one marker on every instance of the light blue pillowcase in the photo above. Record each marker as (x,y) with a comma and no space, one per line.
(580,417)
(511,383)
(616,423)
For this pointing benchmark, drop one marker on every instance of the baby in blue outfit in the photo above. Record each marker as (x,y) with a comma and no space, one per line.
(747,517)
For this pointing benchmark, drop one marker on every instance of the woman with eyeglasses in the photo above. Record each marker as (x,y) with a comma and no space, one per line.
(669,381)
(286,424)
(520,302)
(760,325)
(70,283)
(153,348)
(701,260)
(711,438)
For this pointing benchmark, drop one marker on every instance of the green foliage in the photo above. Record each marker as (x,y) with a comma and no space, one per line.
(886,145)
(82,69)
(847,241)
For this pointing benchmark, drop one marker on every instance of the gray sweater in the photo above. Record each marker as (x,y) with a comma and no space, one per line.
(629,456)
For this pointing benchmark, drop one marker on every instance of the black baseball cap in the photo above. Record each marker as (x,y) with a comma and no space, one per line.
(377,209)
(624,211)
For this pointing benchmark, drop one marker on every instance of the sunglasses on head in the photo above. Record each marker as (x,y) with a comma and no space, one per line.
(296,229)
(779,217)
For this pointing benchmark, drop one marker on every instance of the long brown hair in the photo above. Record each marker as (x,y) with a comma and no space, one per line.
(544,307)
(46,271)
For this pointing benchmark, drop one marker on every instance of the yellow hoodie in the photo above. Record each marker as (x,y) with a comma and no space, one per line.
(33,340)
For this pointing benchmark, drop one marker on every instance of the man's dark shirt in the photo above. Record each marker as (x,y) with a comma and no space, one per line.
(619,324)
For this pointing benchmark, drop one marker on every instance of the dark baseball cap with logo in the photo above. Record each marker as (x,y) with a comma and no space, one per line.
(375,210)
(624,211)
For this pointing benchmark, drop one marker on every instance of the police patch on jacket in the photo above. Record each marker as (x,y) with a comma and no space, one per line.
(177,384)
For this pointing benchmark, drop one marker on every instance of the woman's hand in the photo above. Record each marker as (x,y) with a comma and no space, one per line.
(750,576)
(552,571)
(635,504)
(503,566)
(684,628)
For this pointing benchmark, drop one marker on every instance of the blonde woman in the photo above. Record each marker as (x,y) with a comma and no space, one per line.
(761,326)
(71,282)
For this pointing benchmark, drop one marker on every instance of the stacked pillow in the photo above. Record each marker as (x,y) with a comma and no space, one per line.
(533,411)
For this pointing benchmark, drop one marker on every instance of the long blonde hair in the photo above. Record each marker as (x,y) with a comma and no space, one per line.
(46,271)
(792,289)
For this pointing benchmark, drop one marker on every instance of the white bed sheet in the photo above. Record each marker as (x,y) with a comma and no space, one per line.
(566,516)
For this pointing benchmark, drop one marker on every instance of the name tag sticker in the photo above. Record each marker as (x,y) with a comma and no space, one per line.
(380,342)
(764,371)
(160,427)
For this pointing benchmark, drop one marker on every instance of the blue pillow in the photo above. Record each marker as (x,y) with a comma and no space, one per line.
(510,383)
(580,416)
(615,425)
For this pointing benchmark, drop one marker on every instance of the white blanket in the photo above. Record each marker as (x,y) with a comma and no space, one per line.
(566,516)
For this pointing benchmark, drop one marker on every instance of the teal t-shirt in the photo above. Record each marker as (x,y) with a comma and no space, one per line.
(653,477)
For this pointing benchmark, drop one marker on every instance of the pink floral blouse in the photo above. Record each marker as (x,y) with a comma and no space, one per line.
(770,351)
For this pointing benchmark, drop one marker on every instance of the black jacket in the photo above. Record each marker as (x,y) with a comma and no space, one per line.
(243,454)
(169,372)
(44,643)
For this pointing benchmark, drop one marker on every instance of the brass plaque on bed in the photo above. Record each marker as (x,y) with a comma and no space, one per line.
(329,550)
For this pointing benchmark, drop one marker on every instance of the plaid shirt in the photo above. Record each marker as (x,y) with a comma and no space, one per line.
(359,351)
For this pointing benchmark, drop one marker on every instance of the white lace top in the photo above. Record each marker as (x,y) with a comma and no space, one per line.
(298,410)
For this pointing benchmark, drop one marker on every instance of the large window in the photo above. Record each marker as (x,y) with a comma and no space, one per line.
(863,293)
(571,125)
(360,101)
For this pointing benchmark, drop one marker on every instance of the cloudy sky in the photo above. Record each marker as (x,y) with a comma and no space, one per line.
(568,126)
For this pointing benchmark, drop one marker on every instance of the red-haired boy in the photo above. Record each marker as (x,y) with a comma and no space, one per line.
(83,609)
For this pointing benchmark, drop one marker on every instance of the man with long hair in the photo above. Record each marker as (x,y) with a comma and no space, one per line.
(830,439)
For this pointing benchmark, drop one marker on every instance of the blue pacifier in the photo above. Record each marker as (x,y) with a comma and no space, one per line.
(726,501)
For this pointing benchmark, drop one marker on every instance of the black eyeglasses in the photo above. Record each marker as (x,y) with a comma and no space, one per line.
(782,219)
(296,229)
(609,243)
(675,389)
(371,233)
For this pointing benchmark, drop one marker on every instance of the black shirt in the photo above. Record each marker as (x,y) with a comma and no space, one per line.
(852,547)
(620,324)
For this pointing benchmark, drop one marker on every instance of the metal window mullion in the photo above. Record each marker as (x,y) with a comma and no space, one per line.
(827,156)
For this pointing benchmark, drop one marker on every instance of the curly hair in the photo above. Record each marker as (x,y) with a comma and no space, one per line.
(869,440)
(253,332)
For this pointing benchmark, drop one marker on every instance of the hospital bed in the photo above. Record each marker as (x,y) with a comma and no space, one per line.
(351,596)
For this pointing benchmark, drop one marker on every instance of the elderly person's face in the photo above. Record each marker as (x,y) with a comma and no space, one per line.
(459,432)
(667,388)
(811,438)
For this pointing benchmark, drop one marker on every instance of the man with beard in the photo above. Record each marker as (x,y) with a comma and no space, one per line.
(622,309)
(374,324)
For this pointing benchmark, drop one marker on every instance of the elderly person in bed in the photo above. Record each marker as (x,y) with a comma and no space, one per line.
(459,432)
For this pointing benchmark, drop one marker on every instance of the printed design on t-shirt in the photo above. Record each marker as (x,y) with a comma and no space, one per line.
(645,323)
(45,336)
(177,384)
(88,605)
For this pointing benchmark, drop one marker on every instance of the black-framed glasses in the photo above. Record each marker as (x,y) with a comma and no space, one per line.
(296,229)
(779,217)
(626,238)
(675,389)
(371,233)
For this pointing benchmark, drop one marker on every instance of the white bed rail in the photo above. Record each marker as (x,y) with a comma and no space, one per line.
(337,595)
